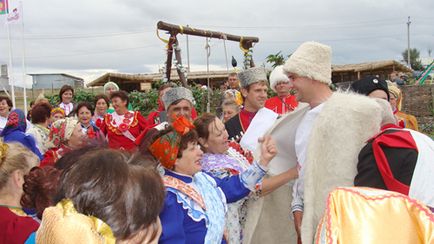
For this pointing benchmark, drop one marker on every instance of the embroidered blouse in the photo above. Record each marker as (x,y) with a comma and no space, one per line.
(195,207)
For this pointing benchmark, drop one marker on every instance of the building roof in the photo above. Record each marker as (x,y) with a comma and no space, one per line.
(70,76)
(122,78)
(133,78)
(369,66)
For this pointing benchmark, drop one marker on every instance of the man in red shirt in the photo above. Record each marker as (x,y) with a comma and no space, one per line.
(254,91)
(284,102)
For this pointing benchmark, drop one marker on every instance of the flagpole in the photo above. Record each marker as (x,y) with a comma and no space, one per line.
(23,58)
(10,69)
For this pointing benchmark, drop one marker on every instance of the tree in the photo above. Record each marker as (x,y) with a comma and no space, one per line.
(276,59)
(415,62)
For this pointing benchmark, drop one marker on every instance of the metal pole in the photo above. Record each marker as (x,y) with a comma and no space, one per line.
(10,69)
(188,53)
(226,55)
(23,59)
(408,42)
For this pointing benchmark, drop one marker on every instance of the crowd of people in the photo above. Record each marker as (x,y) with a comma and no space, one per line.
(307,165)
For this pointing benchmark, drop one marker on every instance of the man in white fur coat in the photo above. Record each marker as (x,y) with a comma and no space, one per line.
(328,138)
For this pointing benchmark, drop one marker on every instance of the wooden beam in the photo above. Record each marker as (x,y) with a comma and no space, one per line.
(246,41)
(178,58)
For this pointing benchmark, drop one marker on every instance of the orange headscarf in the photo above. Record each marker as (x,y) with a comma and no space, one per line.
(165,148)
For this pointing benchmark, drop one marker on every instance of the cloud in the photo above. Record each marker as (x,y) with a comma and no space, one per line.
(88,37)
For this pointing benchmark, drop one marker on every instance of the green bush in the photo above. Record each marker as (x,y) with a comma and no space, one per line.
(144,102)
(79,96)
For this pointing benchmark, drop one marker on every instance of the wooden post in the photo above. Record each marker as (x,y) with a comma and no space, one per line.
(172,40)
(178,58)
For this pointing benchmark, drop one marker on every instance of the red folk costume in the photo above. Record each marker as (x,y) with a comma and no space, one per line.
(60,132)
(281,106)
(122,130)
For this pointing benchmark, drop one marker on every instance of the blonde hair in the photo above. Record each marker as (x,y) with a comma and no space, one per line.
(14,156)
(231,103)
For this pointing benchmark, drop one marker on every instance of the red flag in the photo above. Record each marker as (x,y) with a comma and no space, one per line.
(4,7)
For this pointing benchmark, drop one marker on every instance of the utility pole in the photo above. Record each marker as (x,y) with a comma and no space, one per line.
(408,42)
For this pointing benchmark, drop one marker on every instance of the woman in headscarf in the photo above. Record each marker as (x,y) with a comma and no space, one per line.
(15,131)
(109,88)
(404,120)
(15,162)
(195,204)
(56,114)
(65,135)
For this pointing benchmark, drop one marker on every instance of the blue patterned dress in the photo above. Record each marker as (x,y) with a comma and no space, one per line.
(195,207)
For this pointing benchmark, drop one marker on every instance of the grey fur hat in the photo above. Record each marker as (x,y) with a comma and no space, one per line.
(252,75)
(176,93)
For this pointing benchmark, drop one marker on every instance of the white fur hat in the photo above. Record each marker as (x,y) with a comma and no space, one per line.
(277,76)
(311,60)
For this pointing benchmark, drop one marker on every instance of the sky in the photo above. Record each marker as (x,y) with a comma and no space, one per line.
(87,38)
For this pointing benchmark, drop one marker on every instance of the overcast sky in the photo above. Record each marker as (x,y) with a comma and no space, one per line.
(88,38)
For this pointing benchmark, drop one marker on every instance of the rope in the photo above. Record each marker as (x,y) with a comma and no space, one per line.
(208,54)
(226,52)
(163,40)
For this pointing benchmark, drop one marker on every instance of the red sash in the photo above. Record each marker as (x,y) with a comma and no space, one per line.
(398,139)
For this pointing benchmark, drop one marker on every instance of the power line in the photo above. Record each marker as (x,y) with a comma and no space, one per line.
(349,24)
(332,40)
(79,36)
(92,53)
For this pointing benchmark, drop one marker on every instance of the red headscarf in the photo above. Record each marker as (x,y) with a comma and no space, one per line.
(165,148)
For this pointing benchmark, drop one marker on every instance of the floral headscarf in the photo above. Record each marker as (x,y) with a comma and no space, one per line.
(165,149)
(16,121)
(396,92)
(57,110)
(61,131)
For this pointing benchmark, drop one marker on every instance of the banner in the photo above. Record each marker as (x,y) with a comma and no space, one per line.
(4,6)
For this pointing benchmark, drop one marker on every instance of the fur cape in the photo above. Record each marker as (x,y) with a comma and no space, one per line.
(340,131)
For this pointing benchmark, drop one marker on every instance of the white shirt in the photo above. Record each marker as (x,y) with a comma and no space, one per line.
(67,108)
(3,121)
(301,142)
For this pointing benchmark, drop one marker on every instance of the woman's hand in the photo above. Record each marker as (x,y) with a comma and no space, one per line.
(268,150)
(292,173)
